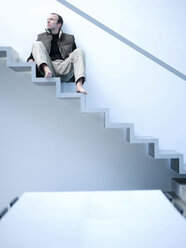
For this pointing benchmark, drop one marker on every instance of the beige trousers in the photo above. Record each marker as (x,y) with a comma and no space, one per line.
(74,65)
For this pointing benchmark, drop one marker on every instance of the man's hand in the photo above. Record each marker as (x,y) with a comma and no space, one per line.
(31,60)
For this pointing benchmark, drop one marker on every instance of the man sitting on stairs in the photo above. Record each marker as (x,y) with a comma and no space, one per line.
(55,54)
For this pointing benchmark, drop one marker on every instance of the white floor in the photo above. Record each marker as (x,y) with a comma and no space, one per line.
(92,220)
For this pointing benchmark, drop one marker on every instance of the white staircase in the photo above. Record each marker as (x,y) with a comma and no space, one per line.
(63,91)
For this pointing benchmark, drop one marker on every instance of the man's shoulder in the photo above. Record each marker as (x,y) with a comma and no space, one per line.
(43,34)
(66,36)
(63,35)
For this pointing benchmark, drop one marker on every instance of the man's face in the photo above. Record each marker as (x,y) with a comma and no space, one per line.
(52,24)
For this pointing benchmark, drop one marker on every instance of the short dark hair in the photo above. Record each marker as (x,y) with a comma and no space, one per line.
(59,20)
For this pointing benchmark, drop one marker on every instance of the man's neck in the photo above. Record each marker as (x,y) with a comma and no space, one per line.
(54,31)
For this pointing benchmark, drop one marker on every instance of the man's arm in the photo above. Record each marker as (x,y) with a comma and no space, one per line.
(31,58)
(74,46)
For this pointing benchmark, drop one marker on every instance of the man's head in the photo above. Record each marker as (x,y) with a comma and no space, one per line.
(54,22)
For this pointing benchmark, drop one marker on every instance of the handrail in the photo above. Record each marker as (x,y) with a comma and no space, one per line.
(123,39)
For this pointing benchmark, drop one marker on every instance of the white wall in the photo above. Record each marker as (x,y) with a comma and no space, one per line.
(136,89)
(156,26)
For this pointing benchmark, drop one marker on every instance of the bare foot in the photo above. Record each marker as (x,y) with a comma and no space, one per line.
(48,73)
(31,60)
(79,88)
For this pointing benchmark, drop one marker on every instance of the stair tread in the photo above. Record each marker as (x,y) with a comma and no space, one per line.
(145,137)
(169,152)
(97,110)
(119,125)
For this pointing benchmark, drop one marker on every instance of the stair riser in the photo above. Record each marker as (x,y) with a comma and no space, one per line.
(179,190)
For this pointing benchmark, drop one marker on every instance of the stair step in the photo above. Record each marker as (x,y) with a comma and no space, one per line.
(144,139)
(20,66)
(178,186)
(177,202)
(118,125)
(96,110)
(69,95)
(168,154)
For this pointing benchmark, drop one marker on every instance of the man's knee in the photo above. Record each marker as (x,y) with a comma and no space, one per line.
(79,51)
(38,44)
